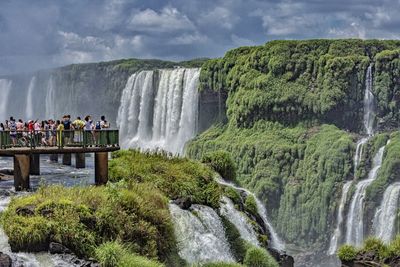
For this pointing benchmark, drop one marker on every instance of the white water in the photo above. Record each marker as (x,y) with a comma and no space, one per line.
(29,99)
(240,220)
(50,100)
(5,88)
(385,215)
(359,151)
(159,109)
(355,223)
(276,242)
(200,235)
(337,234)
(369,110)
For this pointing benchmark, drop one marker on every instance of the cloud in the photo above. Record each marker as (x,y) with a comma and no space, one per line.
(169,19)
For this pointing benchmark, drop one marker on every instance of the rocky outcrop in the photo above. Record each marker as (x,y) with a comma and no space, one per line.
(5,260)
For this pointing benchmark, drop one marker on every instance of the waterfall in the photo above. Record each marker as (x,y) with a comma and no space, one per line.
(200,235)
(359,151)
(159,109)
(355,224)
(369,111)
(337,234)
(5,88)
(385,215)
(276,242)
(50,100)
(238,219)
(29,99)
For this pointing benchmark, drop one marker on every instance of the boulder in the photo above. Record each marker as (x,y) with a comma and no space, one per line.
(183,202)
(5,260)
(28,210)
(57,248)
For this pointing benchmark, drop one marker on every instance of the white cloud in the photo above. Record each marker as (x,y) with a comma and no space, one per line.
(239,41)
(169,19)
(219,17)
(187,39)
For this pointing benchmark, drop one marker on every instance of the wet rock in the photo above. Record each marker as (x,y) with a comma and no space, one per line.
(5,260)
(26,211)
(282,258)
(183,202)
(57,248)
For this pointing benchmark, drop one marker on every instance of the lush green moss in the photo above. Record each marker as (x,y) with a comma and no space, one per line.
(233,195)
(292,81)
(375,246)
(222,162)
(114,254)
(250,205)
(295,171)
(258,257)
(83,218)
(237,244)
(347,253)
(176,177)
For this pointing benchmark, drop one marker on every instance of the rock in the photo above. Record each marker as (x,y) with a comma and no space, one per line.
(26,211)
(5,260)
(57,248)
(183,202)
(282,258)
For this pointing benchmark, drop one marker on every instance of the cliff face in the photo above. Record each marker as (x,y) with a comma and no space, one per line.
(294,112)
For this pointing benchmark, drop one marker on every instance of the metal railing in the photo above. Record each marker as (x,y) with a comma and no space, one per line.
(60,139)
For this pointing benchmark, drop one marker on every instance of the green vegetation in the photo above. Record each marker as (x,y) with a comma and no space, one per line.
(258,257)
(347,253)
(222,264)
(237,244)
(311,80)
(222,162)
(82,219)
(175,177)
(113,254)
(250,205)
(295,171)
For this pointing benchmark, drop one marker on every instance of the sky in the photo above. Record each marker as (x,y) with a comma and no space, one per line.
(37,34)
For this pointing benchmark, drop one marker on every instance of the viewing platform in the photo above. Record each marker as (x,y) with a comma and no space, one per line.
(27,146)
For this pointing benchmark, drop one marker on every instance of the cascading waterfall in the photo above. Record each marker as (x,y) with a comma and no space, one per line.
(245,229)
(359,151)
(369,102)
(355,223)
(159,109)
(337,234)
(29,98)
(200,235)
(5,88)
(276,242)
(385,215)
(50,99)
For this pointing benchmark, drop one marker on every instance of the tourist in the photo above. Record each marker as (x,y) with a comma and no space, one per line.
(45,133)
(13,130)
(67,127)
(103,123)
(60,138)
(53,132)
(2,128)
(78,125)
(89,130)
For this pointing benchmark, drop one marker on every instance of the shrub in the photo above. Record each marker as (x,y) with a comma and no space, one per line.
(258,257)
(114,254)
(251,205)
(221,162)
(222,264)
(394,246)
(347,253)
(233,195)
(237,244)
(376,246)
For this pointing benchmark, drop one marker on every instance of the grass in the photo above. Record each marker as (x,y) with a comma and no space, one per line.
(175,177)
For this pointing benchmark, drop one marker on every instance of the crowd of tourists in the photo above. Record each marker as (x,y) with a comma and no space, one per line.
(52,132)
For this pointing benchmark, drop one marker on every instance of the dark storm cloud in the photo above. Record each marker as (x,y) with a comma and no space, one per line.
(47,33)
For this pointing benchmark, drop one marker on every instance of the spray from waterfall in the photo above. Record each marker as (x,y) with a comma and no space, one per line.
(29,99)
(5,88)
(355,222)
(50,100)
(369,103)
(385,216)
(276,242)
(159,109)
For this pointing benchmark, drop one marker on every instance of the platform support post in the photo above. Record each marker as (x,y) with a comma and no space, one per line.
(34,166)
(80,160)
(21,172)
(101,167)
(66,159)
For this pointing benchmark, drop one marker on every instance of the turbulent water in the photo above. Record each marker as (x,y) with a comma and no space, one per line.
(385,216)
(276,242)
(238,219)
(159,109)
(355,222)
(200,235)
(337,234)
(5,88)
